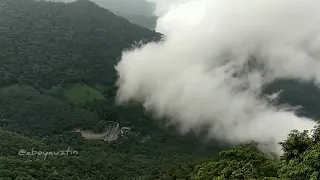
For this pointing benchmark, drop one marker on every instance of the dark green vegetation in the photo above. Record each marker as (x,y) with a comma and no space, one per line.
(57,73)
(300,161)
(82,93)
(29,112)
(45,44)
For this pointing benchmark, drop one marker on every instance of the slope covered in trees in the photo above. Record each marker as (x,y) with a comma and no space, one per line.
(300,161)
(136,11)
(52,55)
(57,73)
(45,44)
(29,112)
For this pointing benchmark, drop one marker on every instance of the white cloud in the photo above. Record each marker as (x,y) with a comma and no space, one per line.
(189,76)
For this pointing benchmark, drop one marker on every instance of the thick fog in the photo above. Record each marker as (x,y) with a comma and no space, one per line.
(216,56)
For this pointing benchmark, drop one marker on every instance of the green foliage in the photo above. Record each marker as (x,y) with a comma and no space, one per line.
(300,161)
(238,163)
(81,93)
(101,88)
(296,144)
(29,112)
(45,47)
(46,44)
(11,143)
(302,156)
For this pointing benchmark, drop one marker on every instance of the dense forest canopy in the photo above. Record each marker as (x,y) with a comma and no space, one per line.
(57,74)
(50,43)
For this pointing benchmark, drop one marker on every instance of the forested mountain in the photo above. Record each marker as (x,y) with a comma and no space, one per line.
(142,20)
(46,44)
(136,11)
(57,74)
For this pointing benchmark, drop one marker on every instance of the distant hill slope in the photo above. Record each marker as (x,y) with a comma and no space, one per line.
(136,11)
(45,44)
(305,95)
(26,111)
(141,20)
(134,7)
(45,47)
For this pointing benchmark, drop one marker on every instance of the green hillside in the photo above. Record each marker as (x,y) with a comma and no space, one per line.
(57,73)
(45,44)
(81,93)
(140,12)
(29,112)
(141,20)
